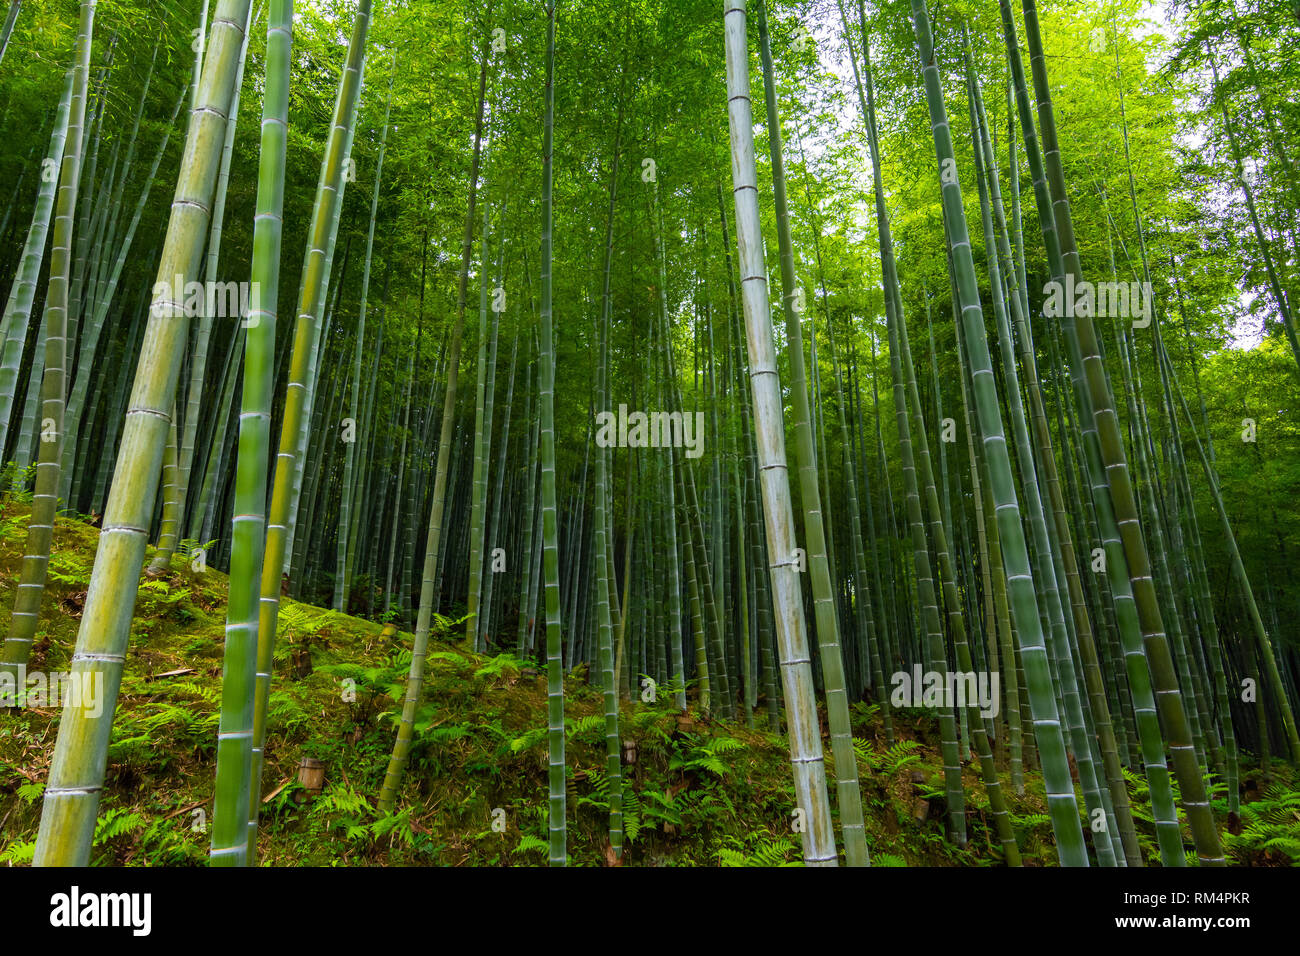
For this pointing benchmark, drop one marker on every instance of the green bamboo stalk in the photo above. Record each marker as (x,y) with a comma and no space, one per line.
(669,479)
(621,670)
(80,755)
(234,818)
(527,561)
(88,212)
(27,431)
(900,362)
(296,406)
(200,528)
(364,504)
(1204,605)
(550,548)
(1011,668)
(1204,602)
(987,615)
(696,604)
(1141,676)
(1020,581)
(1044,551)
(604,518)
(170,521)
(483,610)
(482,431)
(1063,550)
(814,506)
(200,50)
(40,528)
(18,307)
(424,620)
(871,667)
(1085,354)
(807,763)
(198,364)
(613,750)
(717,669)
(81,383)
(401,468)
(295,546)
(495,533)
(343,567)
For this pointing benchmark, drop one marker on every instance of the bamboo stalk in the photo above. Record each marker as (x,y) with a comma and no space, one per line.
(81,752)
(796,670)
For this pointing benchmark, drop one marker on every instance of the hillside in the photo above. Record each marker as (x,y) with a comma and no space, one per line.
(698,792)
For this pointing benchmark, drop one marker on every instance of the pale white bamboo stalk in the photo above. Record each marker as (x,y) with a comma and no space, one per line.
(778,516)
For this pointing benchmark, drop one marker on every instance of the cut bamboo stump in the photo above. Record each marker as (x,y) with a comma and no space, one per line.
(301,662)
(311,775)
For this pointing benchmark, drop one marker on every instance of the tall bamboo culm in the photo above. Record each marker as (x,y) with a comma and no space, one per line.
(825,617)
(1085,354)
(40,529)
(1020,582)
(81,751)
(234,819)
(347,500)
(429,576)
(806,758)
(557,796)
(306,330)
(18,307)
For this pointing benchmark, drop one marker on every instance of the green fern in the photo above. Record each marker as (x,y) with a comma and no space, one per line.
(28,792)
(891,761)
(285,712)
(503,665)
(116,822)
(773,851)
(443,734)
(591,724)
(529,740)
(70,569)
(1271,822)
(662,807)
(338,799)
(398,823)
(529,842)
(631,813)
(19,853)
(1030,821)
(707,756)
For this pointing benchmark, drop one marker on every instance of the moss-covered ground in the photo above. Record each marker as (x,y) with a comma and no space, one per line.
(696,791)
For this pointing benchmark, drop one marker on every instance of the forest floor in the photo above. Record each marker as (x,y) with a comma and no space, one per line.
(696,791)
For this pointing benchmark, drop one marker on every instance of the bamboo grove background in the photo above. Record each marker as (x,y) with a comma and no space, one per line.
(825,229)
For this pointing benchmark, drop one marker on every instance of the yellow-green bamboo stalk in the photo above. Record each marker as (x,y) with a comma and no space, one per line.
(310,300)
(81,751)
(424,617)
(18,307)
(234,821)
(40,529)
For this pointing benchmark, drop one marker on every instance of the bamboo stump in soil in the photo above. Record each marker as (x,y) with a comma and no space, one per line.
(311,775)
